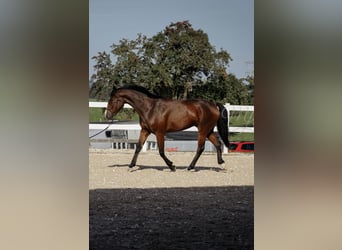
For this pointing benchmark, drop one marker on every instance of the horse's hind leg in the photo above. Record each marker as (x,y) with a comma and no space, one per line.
(142,138)
(160,141)
(200,149)
(214,140)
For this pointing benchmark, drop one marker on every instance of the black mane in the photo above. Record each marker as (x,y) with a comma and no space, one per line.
(141,90)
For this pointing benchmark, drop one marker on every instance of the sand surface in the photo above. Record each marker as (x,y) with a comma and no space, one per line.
(109,169)
(154,208)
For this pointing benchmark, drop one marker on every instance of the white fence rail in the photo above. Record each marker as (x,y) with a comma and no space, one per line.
(137,127)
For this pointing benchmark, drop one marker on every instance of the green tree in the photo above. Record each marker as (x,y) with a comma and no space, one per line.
(249,82)
(178,62)
(224,88)
(102,81)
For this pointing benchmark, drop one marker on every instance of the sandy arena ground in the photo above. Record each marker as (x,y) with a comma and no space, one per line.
(109,169)
(151,207)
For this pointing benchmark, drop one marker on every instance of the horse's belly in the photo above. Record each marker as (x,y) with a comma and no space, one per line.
(178,125)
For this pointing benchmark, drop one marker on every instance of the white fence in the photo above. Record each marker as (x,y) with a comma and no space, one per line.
(229,108)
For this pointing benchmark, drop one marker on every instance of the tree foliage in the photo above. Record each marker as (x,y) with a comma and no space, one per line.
(178,62)
(102,81)
(249,82)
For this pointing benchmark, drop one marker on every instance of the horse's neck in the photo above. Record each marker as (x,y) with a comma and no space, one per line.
(141,103)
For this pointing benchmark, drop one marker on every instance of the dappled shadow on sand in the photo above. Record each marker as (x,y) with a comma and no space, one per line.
(172,218)
(163,168)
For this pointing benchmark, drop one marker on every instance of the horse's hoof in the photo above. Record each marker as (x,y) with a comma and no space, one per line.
(132,168)
(221,162)
(223,165)
(172,168)
(191,168)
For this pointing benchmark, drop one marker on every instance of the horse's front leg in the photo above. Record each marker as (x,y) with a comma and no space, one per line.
(160,142)
(142,138)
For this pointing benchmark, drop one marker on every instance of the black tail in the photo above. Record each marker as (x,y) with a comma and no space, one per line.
(222,124)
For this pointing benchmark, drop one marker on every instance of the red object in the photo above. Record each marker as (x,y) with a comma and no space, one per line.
(171,149)
(242,146)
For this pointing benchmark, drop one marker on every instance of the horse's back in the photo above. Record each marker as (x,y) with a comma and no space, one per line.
(207,108)
(179,115)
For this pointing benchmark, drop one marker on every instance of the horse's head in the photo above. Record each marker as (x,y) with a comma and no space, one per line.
(115,103)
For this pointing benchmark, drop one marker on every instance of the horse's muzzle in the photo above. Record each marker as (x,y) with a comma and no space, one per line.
(108,115)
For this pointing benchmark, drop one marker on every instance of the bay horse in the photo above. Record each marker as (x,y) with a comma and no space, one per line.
(159,115)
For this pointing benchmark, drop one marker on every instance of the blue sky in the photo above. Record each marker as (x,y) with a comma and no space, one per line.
(228,23)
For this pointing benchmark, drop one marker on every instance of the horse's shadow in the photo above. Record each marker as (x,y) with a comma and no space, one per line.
(163,168)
